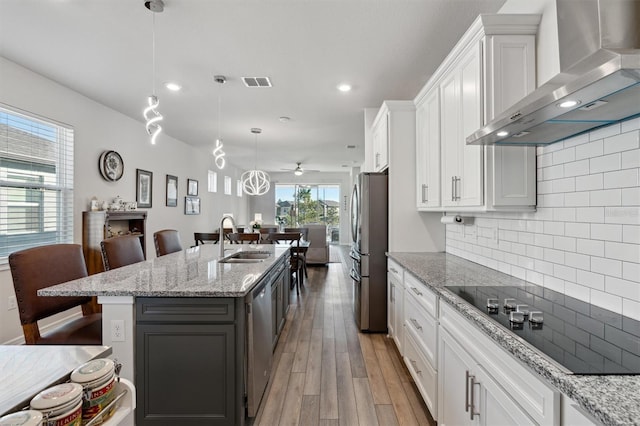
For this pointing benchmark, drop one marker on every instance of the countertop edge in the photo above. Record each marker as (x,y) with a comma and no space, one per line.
(568,384)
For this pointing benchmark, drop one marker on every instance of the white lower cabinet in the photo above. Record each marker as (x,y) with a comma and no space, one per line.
(421,370)
(395,304)
(479,383)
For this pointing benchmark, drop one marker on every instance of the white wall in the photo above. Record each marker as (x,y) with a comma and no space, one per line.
(98,128)
(584,238)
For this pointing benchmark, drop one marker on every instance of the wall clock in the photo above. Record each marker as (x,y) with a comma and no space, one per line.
(111,166)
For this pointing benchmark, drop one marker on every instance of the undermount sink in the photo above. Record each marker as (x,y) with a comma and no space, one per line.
(246,257)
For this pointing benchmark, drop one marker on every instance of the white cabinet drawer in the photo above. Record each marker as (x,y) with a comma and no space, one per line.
(423,326)
(426,298)
(426,378)
(395,270)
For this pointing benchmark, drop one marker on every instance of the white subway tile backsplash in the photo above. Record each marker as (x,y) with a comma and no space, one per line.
(631,309)
(631,234)
(577,199)
(608,197)
(579,230)
(578,261)
(622,251)
(606,300)
(584,238)
(623,288)
(605,266)
(631,271)
(578,168)
(631,159)
(590,279)
(590,150)
(591,247)
(554,228)
(600,231)
(633,124)
(590,182)
(590,214)
(622,142)
(563,214)
(606,163)
(630,196)
(621,179)
(564,243)
(564,185)
(566,155)
(605,132)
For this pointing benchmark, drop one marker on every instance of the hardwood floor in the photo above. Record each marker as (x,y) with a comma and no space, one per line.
(327,373)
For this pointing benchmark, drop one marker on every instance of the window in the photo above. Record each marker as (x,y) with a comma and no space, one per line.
(212,181)
(36,182)
(227,185)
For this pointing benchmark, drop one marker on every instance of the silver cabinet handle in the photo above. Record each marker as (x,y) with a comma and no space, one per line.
(472,408)
(392,269)
(456,181)
(416,324)
(415,366)
(453,188)
(393,295)
(377,159)
(416,291)
(425,193)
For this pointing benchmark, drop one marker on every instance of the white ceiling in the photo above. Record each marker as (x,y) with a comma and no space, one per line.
(386,49)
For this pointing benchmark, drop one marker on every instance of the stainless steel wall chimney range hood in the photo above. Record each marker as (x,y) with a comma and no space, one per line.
(598,84)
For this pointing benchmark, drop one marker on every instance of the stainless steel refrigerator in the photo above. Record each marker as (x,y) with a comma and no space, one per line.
(369,231)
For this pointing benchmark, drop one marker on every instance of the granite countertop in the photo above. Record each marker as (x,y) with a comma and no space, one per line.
(193,272)
(26,370)
(611,399)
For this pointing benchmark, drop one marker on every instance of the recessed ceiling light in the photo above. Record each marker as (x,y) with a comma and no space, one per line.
(344,87)
(502,133)
(174,87)
(568,104)
(351,147)
(284,119)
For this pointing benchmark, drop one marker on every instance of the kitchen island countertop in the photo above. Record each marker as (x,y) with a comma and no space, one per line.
(193,272)
(611,399)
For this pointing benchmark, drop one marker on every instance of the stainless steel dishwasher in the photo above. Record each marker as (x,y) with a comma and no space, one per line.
(259,354)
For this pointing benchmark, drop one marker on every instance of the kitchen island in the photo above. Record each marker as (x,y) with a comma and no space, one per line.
(182,327)
(607,399)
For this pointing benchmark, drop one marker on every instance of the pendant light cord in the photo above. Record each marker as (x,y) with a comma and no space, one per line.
(153,53)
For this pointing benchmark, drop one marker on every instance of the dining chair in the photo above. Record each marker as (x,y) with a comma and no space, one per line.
(121,251)
(297,259)
(167,241)
(40,267)
(304,233)
(243,238)
(202,237)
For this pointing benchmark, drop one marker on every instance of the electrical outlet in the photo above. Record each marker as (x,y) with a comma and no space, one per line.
(117,330)
(12,303)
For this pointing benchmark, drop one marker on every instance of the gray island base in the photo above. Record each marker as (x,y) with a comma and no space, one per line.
(195,335)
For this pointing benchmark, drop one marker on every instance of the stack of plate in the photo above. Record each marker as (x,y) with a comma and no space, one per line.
(22,418)
(97,378)
(61,404)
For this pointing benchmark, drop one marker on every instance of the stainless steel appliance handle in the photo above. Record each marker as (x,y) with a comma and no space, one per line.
(354,276)
(425,194)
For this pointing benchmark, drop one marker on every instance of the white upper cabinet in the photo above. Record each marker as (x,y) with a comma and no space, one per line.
(381,141)
(491,68)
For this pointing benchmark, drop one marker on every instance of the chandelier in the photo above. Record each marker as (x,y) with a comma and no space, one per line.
(255,182)
(151,113)
(218,153)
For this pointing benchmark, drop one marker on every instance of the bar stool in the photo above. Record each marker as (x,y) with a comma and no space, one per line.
(121,251)
(167,241)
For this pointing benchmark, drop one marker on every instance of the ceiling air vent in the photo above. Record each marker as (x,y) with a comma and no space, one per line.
(256,81)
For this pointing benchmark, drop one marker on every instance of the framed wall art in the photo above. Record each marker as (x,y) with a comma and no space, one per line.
(144,188)
(192,187)
(172,191)
(191,205)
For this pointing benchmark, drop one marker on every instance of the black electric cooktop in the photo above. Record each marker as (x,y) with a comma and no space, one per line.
(581,337)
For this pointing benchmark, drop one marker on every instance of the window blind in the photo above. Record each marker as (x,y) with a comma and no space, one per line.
(36,181)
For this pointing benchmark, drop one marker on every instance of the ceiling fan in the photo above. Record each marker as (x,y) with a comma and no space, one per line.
(299,171)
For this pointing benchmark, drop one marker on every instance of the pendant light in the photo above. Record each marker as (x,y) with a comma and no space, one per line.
(255,182)
(218,153)
(151,113)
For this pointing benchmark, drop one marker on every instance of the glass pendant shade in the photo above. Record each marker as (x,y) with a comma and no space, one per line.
(151,114)
(219,154)
(153,117)
(255,182)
